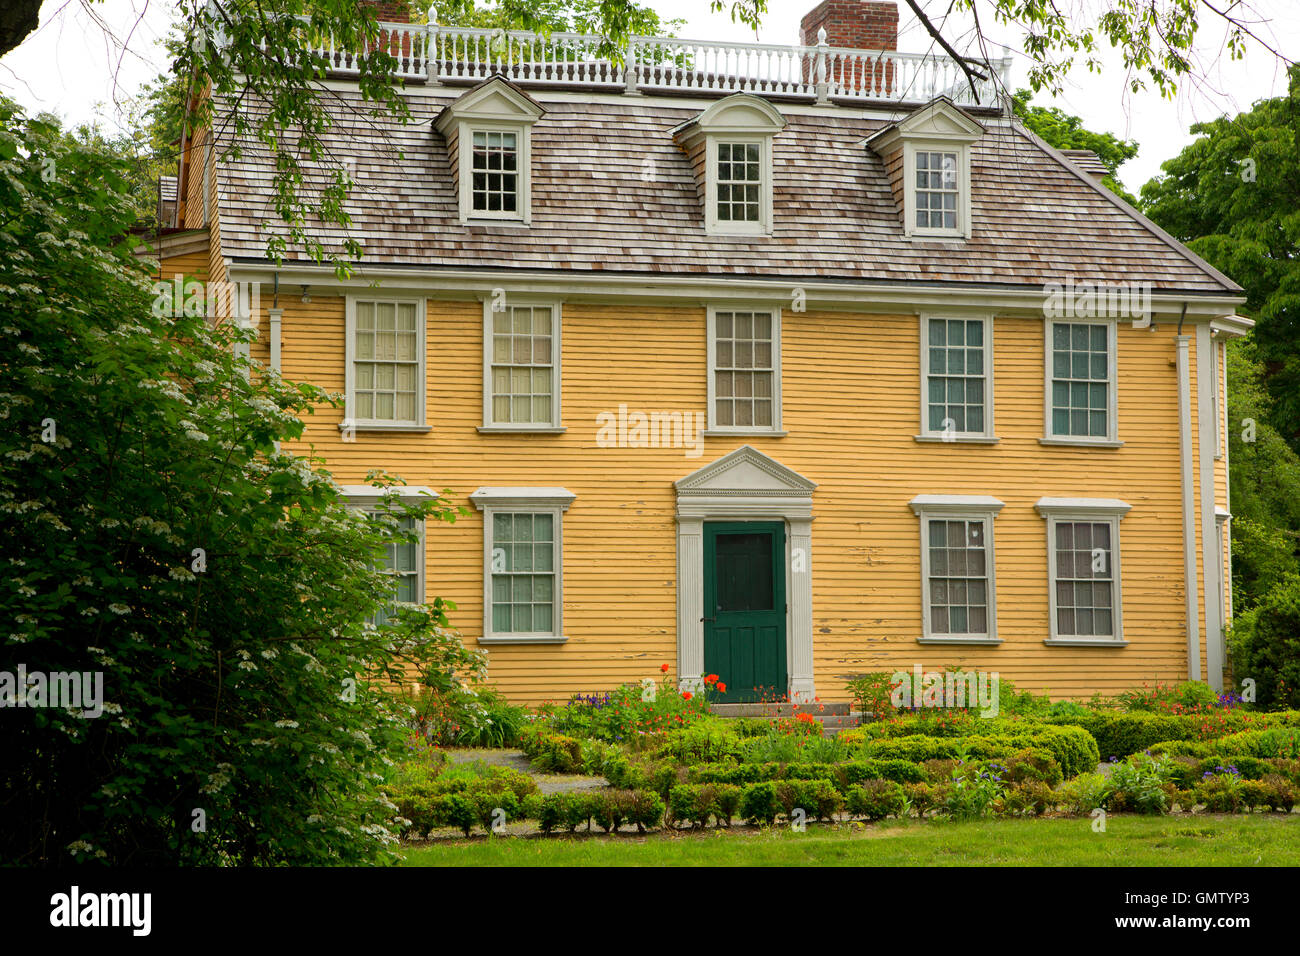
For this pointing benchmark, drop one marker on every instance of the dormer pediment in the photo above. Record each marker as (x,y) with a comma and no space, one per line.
(940,119)
(495,98)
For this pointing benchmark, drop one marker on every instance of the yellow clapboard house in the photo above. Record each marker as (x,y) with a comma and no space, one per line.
(783,363)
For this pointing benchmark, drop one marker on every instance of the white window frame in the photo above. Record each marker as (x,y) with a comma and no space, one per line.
(1097,511)
(553,501)
(555,425)
(910,148)
(711,326)
(728,227)
(1111,440)
(350,421)
(367,497)
(524,196)
(982,508)
(988,435)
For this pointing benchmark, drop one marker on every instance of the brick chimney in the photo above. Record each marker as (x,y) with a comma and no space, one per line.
(390,11)
(857,24)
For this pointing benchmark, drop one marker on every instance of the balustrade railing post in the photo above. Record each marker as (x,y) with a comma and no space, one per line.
(629,68)
(432,61)
(822,86)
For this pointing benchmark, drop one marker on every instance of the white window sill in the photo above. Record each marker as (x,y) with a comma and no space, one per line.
(522,429)
(1084,642)
(489,221)
(958,639)
(1082,442)
(733,432)
(523,639)
(382,427)
(957,237)
(958,439)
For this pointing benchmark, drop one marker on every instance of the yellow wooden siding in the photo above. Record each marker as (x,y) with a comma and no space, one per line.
(851,407)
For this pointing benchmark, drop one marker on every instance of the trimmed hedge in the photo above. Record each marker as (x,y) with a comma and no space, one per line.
(1274,743)
(841,775)
(1072,748)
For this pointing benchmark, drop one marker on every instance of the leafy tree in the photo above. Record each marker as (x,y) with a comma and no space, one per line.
(152,531)
(1233,195)
(1063,131)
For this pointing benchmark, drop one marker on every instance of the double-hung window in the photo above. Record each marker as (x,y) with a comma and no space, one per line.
(522,563)
(739,182)
(957,568)
(957,378)
(404,554)
(1083,569)
(937,190)
(521,388)
(385,363)
(744,389)
(1081,383)
(494,173)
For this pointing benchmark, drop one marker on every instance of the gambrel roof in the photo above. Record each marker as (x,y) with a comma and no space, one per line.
(614,193)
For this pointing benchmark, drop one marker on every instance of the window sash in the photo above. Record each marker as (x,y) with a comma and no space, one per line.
(739,182)
(959,596)
(521,371)
(522,562)
(744,351)
(1084,592)
(957,386)
(387,359)
(1081,376)
(937,190)
(494,171)
(402,561)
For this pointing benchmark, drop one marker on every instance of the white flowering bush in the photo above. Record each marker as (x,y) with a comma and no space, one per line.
(151,530)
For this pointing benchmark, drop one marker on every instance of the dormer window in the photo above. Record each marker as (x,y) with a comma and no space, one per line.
(937,191)
(927,157)
(488,132)
(494,169)
(730,144)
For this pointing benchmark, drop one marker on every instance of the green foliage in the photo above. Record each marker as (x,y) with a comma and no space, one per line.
(876,799)
(634,714)
(817,798)
(551,753)
(134,436)
(1084,793)
(1073,749)
(758,804)
(1265,645)
(1220,793)
(465,715)
(1030,797)
(778,746)
(706,741)
(1063,131)
(972,795)
(1142,783)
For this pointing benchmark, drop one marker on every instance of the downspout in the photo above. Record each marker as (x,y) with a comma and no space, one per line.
(1189,499)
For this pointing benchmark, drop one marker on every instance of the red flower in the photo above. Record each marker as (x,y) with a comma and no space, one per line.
(686,695)
(710,678)
(722,688)
(664,668)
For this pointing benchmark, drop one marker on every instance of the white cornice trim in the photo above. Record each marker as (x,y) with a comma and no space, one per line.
(522,497)
(955,504)
(389,491)
(1090,506)
(846,295)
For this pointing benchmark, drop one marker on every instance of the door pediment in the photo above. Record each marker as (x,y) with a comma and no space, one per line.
(745,473)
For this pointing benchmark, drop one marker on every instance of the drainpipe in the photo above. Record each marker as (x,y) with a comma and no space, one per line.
(1189,501)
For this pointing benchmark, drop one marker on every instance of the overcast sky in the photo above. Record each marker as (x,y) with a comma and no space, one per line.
(69,66)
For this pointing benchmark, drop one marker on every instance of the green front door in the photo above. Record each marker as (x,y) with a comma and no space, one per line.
(744,608)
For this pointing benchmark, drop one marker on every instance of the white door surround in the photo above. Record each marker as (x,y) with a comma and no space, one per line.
(745,485)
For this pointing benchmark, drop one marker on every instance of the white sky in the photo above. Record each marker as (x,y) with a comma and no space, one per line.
(68,66)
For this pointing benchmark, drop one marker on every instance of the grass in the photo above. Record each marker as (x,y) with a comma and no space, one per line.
(1202,840)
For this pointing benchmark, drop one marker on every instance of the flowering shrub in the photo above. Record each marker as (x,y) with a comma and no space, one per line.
(634,714)
(1143,783)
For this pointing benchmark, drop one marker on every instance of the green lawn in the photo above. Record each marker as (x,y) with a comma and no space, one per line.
(1255,840)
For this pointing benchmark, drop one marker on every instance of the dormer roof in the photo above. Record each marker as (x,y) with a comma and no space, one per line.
(940,120)
(496,98)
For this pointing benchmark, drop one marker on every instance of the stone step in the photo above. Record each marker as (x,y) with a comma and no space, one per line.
(773,711)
